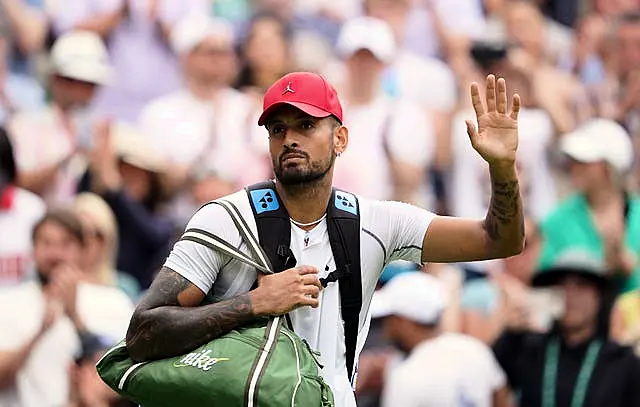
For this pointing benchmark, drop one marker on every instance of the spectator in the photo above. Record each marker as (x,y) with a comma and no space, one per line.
(602,216)
(127,172)
(24,25)
(573,363)
(206,127)
(441,369)
(484,300)
(101,246)
(137,32)
(50,143)
(17,91)
(87,388)
(43,319)
(19,211)
(265,54)
(391,141)
(625,320)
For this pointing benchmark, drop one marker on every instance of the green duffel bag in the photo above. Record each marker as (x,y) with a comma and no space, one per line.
(261,365)
(264,364)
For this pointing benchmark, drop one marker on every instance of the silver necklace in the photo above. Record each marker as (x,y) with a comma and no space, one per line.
(315,222)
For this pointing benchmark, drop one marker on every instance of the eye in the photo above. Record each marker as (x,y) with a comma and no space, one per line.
(277,130)
(307,125)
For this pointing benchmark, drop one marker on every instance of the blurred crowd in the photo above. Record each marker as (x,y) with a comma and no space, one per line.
(119,118)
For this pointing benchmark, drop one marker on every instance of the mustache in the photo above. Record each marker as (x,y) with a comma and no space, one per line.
(289,150)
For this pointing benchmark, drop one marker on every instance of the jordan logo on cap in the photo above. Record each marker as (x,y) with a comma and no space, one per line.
(288,89)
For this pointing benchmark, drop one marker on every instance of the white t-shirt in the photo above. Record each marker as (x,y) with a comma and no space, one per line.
(389,231)
(43,381)
(16,224)
(450,370)
(364,166)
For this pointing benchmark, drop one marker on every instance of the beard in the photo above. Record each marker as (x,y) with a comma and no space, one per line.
(307,172)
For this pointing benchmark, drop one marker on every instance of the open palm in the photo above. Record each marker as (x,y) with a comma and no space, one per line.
(496,138)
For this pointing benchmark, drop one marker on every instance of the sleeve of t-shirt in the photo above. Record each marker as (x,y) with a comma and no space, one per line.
(495,375)
(411,138)
(198,263)
(401,227)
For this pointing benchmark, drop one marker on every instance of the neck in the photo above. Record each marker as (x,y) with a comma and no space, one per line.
(361,92)
(203,90)
(307,202)
(602,197)
(580,335)
(425,334)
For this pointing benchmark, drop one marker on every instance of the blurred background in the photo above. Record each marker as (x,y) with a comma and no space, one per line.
(119,118)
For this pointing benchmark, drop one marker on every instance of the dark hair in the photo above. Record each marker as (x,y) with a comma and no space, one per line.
(8,168)
(246,74)
(66,219)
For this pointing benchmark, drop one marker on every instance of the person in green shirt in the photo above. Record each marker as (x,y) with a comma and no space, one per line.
(602,217)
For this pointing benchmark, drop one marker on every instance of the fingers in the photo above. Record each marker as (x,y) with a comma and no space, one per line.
(476,101)
(491,93)
(304,270)
(515,109)
(311,280)
(310,301)
(311,290)
(502,96)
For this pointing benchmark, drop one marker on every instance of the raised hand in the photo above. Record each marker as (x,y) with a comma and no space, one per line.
(282,292)
(496,137)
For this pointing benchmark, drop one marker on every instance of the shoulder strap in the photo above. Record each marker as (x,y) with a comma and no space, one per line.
(343,223)
(272,220)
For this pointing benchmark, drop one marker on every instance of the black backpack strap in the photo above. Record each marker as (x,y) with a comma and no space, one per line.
(343,223)
(274,227)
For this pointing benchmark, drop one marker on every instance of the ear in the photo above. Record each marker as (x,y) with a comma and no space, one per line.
(340,139)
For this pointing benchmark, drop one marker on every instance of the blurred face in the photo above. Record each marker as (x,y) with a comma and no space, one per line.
(611,8)
(398,331)
(525,27)
(587,176)
(212,61)
(364,68)
(628,47)
(89,387)
(303,148)
(582,303)
(524,264)
(53,245)
(95,243)
(394,12)
(136,181)
(71,93)
(266,47)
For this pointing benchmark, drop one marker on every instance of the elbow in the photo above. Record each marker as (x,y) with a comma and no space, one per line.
(136,345)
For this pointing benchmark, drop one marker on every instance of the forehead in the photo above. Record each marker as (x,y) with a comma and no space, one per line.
(287,113)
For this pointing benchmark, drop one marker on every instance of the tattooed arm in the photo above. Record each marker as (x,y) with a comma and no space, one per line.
(169,321)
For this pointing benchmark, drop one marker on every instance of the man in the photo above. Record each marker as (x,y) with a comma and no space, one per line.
(19,211)
(44,320)
(573,364)
(192,124)
(441,369)
(392,140)
(303,117)
(49,142)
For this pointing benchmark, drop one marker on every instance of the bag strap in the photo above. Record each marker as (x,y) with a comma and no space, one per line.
(343,225)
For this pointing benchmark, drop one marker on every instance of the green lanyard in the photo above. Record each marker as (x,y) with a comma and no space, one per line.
(549,382)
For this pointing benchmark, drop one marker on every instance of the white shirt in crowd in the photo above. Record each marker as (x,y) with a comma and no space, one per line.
(192,132)
(16,224)
(43,381)
(449,370)
(364,166)
(42,140)
(390,231)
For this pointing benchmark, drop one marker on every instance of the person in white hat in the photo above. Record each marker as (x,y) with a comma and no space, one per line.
(392,140)
(601,216)
(441,368)
(49,141)
(193,123)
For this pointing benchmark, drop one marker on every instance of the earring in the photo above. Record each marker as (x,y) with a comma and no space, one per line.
(338,153)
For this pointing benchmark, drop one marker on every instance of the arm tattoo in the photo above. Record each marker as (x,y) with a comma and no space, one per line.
(161,327)
(504,219)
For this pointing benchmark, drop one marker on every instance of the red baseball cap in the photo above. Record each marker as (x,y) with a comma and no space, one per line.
(306,91)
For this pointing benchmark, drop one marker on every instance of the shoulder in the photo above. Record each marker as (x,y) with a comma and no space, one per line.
(382,212)
(565,210)
(29,203)
(214,218)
